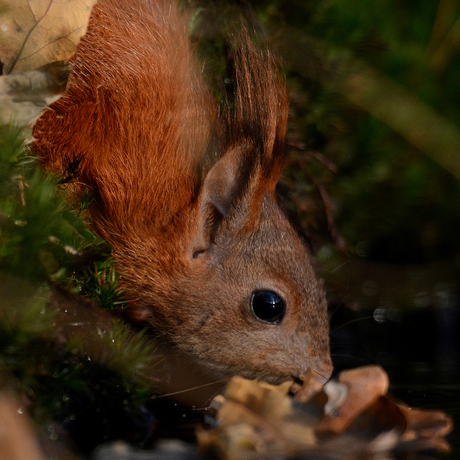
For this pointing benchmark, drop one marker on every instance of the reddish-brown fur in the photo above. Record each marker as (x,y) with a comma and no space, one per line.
(192,242)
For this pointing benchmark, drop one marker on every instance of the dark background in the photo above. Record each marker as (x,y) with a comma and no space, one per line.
(373,174)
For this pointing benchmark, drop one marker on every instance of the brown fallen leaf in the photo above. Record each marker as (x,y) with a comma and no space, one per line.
(23,96)
(37,32)
(312,385)
(258,417)
(426,427)
(37,37)
(363,386)
(349,417)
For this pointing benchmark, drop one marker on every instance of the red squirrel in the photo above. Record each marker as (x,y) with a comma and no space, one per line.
(185,193)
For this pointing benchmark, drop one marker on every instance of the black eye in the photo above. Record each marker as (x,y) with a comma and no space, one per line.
(267,306)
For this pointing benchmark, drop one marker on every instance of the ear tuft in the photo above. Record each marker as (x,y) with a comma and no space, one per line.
(251,134)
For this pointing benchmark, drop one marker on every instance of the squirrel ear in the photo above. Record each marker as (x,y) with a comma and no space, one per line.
(224,184)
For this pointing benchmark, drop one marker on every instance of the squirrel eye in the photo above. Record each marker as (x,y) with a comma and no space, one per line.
(267,306)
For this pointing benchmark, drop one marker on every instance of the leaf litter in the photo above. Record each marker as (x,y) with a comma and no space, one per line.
(352,416)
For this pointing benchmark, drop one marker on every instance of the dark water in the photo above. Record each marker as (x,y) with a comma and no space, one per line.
(418,348)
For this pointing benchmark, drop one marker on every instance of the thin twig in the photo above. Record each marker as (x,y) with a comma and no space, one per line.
(300,146)
(336,237)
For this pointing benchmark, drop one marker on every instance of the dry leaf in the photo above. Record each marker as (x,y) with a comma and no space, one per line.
(256,417)
(364,386)
(311,386)
(23,96)
(426,427)
(37,32)
(36,38)
(350,417)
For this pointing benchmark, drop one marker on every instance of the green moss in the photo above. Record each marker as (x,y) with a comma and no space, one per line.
(102,371)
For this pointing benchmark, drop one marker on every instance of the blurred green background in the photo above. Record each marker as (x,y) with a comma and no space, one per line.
(375,140)
(373,175)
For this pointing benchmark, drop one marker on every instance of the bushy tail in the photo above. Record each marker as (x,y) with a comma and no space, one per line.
(136,117)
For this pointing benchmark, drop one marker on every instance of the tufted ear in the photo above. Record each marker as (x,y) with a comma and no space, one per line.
(227,180)
(223,187)
(251,132)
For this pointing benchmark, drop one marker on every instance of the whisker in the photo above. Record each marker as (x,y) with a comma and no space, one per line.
(336,268)
(339,305)
(351,322)
(192,389)
(321,375)
(211,398)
